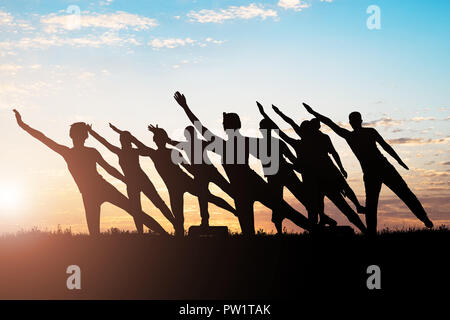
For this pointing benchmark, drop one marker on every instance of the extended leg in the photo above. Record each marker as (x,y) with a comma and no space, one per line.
(396,183)
(118,199)
(150,191)
(352,196)
(344,207)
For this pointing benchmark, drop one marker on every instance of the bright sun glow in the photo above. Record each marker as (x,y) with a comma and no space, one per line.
(10,196)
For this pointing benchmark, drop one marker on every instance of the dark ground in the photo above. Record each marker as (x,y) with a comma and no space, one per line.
(127,266)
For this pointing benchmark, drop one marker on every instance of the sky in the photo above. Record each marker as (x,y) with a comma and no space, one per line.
(121,61)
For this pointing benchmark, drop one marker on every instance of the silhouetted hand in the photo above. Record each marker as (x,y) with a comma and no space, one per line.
(115,128)
(18,116)
(152,128)
(181,99)
(404,165)
(275,108)
(308,108)
(261,108)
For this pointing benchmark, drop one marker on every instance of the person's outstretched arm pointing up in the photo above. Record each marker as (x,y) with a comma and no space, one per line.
(333,126)
(40,136)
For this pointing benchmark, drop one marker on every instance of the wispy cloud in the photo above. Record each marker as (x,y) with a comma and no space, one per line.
(418,141)
(171,43)
(114,21)
(295,5)
(40,42)
(232,13)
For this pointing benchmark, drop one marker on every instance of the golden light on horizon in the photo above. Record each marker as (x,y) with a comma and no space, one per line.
(10,196)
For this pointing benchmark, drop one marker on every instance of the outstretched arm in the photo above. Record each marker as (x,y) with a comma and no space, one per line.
(282,135)
(110,169)
(294,125)
(103,141)
(39,135)
(115,128)
(337,129)
(181,99)
(389,149)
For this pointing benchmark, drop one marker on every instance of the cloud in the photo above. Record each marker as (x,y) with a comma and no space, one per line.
(295,5)
(39,42)
(384,122)
(114,21)
(418,141)
(171,43)
(232,13)
(7,21)
(418,119)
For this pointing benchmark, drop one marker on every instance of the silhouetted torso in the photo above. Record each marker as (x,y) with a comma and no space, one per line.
(129,162)
(82,164)
(171,173)
(363,144)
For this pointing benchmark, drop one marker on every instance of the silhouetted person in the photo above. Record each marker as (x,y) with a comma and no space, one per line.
(342,175)
(135,177)
(175,179)
(285,176)
(318,171)
(82,163)
(202,169)
(376,168)
(247,186)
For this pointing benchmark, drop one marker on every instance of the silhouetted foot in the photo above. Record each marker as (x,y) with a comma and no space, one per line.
(204,224)
(361,209)
(428,223)
(326,220)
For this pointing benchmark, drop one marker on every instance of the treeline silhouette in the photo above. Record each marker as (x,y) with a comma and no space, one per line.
(320,176)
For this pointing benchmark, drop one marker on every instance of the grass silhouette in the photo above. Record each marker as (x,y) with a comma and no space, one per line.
(125,265)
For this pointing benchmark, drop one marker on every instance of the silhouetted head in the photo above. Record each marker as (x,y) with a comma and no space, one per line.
(315,124)
(231,121)
(355,120)
(305,129)
(160,137)
(190,133)
(125,140)
(266,125)
(78,133)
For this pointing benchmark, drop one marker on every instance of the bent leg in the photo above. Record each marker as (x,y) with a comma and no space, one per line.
(118,199)
(92,210)
(245,213)
(177,206)
(277,187)
(134,194)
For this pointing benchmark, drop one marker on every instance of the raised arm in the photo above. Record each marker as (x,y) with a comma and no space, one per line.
(40,136)
(389,149)
(110,169)
(115,128)
(282,135)
(293,124)
(181,99)
(103,141)
(337,129)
